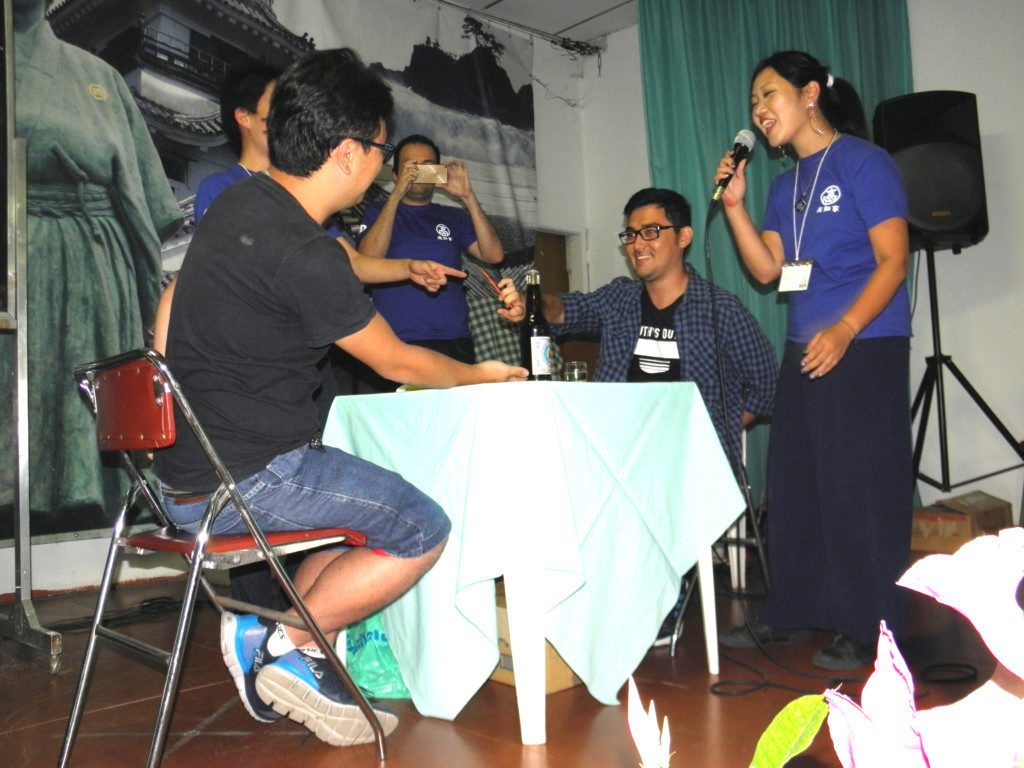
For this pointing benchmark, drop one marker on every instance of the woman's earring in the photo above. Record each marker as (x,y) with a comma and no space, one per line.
(811,112)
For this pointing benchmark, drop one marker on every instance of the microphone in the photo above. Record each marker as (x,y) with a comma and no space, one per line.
(742,146)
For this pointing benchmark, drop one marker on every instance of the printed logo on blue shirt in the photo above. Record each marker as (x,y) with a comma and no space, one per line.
(443,233)
(829,199)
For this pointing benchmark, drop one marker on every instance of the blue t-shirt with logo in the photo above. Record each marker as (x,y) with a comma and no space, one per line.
(859,186)
(436,233)
(213,185)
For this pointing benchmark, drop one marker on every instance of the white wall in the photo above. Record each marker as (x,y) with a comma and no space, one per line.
(614,149)
(78,563)
(558,122)
(592,154)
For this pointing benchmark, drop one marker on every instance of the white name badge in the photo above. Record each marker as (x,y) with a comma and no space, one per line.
(795,276)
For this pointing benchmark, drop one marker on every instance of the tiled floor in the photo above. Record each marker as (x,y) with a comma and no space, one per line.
(210,727)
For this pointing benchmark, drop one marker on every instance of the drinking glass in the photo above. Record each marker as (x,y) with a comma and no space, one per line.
(574,370)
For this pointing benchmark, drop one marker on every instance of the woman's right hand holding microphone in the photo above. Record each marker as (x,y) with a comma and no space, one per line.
(733,194)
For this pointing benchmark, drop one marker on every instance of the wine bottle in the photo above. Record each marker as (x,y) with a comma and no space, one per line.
(535,338)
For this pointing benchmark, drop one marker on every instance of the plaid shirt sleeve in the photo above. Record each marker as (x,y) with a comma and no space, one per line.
(748,359)
(752,357)
(611,312)
(494,337)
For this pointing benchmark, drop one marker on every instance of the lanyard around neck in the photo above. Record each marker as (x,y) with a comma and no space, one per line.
(798,237)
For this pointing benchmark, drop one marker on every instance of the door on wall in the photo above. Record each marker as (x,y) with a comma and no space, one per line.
(549,260)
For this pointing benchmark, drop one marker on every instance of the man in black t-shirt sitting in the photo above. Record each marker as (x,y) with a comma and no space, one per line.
(264,291)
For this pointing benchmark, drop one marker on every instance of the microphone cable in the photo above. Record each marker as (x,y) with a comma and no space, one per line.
(734,453)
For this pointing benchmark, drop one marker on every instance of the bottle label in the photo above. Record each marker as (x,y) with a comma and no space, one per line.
(540,355)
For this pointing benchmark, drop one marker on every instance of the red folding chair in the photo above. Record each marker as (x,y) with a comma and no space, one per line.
(134,397)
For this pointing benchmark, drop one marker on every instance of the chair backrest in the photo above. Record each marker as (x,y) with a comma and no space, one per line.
(132,401)
(136,398)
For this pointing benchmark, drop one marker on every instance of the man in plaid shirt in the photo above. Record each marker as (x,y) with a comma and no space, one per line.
(660,327)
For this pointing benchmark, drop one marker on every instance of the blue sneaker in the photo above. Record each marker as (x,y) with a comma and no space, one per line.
(306,689)
(243,642)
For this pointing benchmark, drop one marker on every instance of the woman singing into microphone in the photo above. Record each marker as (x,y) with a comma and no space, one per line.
(840,482)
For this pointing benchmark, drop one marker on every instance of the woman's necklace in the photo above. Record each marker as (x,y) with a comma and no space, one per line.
(245,169)
(800,206)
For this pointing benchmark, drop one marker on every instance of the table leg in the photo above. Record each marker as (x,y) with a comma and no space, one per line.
(523,590)
(707,604)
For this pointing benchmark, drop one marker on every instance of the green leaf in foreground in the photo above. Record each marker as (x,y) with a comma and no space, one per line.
(791,732)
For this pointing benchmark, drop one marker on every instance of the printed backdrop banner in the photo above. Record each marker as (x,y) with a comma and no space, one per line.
(463,83)
(97,182)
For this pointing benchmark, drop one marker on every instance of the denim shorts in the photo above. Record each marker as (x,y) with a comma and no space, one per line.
(325,487)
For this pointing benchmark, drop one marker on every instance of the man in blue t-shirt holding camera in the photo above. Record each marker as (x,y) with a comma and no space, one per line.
(408,224)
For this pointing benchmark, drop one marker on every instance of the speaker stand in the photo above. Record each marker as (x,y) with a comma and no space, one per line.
(931,383)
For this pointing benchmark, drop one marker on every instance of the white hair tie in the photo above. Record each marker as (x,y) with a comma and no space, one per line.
(829,80)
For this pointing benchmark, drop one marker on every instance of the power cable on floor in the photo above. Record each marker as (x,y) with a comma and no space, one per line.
(942,673)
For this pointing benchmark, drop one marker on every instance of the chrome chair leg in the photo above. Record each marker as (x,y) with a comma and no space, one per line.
(175,660)
(78,705)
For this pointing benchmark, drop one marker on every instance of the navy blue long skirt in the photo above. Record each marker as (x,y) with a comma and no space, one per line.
(840,492)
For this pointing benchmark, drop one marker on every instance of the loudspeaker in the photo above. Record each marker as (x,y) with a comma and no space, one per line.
(933,137)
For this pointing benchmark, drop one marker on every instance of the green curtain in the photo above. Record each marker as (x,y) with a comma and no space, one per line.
(696,58)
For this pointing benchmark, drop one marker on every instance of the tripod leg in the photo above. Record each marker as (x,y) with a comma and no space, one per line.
(933,381)
(980,402)
(924,389)
(923,397)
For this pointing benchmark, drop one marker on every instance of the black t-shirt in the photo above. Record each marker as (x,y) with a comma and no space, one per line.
(656,357)
(262,293)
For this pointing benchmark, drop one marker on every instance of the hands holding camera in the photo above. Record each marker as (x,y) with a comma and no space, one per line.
(404,179)
(452,177)
(458,180)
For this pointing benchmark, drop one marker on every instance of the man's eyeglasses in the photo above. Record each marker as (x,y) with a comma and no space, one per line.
(387,149)
(652,232)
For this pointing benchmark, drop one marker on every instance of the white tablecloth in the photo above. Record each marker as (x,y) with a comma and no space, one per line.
(591,499)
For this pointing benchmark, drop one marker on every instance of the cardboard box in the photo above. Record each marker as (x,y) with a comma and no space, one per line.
(950,523)
(558,676)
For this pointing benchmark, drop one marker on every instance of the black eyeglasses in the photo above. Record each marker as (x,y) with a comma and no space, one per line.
(387,149)
(650,232)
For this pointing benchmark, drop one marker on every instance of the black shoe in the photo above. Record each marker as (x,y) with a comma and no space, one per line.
(844,653)
(739,637)
(668,626)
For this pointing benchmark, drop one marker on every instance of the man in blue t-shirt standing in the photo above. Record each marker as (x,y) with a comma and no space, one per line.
(244,106)
(409,225)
